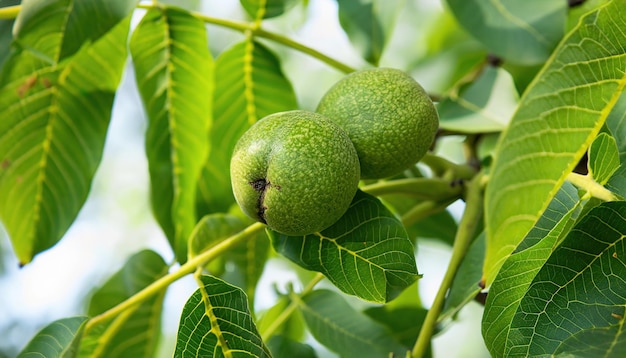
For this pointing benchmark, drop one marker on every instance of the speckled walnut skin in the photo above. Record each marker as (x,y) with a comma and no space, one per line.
(295,171)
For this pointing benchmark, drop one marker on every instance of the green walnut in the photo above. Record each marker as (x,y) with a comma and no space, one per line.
(295,171)
(388,116)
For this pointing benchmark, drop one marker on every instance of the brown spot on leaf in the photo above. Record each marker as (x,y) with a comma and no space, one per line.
(27,85)
(6,163)
(618,316)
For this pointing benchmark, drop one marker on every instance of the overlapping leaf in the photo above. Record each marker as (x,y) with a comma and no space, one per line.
(174,72)
(603,158)
(520,31)
(53,127)
(574,306)
(249,86)
(558,117)
(58,339)
(247,258)
(263,9)
(521,268)
(283,347)
(216,322)
(466,283)
(360,21)
(141,322)
(486,105)
(367,253)
(338,326)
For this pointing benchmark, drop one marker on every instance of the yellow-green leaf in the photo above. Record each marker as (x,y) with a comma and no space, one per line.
(559,116)
(174,71)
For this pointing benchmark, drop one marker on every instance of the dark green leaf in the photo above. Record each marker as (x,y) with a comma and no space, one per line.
(283,347)
(141,322)
(603,158)
(617,183)
(175,78)
(367,253)
(521,268)
(59,339)
(339,327)
(404,323)
(558,117)
(520,31)
(216,322)
(486,105)
(249,86)
(360,21)
(264,9)
(48,151)
(247,259)
(575,304)
(466,283)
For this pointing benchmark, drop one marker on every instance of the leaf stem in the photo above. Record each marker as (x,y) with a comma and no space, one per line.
(284,315)
(9,12)
(465,233)
(187,268)
(425,209)
(255,30)
(592,187)
(441,166)
(424,188)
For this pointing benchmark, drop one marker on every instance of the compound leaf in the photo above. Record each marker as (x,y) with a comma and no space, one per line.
(367,253)
(558,117)
(175,78)
(216,322)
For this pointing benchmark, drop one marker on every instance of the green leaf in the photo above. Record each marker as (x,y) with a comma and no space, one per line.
(58,339)
(521,268)
(283,347)
(49,31)
(575,303)
(360,21)
(265,9)
(466,283)
(603,158)
(367,253)
(48,151)
(523,32)
(342,329)
(404,323)
(175,78)
(142,322)
(247,258)
(617,183)
(216,322)
(486,105)
(559,116)
(616,122)
(292,328)
(249,86)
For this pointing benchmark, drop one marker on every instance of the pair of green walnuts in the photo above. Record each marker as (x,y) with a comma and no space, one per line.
(298,171)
